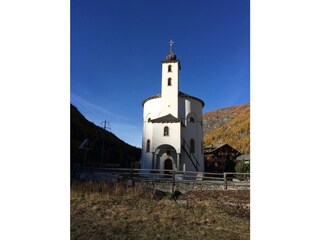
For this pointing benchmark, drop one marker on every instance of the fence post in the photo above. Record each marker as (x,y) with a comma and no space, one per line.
(173,180)
(225,181)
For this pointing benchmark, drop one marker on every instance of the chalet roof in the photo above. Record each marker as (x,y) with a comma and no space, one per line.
(181,94)
(166,119)
(216,146)
(213,147)
(243,157)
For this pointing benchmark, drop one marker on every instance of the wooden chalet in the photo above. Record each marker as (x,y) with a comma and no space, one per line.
(220,158)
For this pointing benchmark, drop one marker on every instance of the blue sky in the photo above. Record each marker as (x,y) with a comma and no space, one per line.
(117,46)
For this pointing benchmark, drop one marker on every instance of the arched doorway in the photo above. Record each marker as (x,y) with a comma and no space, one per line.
(165,159)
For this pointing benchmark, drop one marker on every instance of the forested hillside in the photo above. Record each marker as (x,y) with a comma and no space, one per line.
(228,125)
(116,153)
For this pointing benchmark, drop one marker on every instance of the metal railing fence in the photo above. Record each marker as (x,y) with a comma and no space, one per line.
(155,175)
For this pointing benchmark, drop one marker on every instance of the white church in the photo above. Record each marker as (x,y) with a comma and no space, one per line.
(172,125)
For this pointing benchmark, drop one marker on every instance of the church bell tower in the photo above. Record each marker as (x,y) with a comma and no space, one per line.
(170,84)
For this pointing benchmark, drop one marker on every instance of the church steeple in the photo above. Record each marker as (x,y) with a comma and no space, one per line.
(170,83)
(171,57)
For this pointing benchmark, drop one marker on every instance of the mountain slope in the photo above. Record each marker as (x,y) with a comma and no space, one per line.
(228,125)
(116,152)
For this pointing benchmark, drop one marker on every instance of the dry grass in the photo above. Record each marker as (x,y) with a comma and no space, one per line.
(105,211)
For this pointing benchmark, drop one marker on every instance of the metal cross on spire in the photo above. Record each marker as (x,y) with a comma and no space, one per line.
(171,43)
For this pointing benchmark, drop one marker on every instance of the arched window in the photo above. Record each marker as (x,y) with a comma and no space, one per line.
(192,146)
(165,131)
(148,146)
(169,81)
(191,119)
(169,68)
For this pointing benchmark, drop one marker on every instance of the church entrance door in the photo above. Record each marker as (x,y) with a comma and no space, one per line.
(168,166)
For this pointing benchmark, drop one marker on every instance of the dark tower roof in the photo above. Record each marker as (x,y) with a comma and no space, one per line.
(171,57)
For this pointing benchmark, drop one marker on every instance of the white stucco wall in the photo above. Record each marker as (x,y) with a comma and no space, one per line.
(192,130)
(169,94)
(151,109)
(172,139)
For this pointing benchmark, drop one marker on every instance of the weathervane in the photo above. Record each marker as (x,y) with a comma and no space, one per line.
(171,43)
